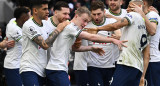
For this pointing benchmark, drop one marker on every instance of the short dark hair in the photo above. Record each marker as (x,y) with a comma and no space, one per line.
(37,3)
(19,11)
(150,2)
(97,5)
(60,4)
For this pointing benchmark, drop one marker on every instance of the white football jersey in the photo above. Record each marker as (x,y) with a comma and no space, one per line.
(13,32)
(80,60)
(61,48)
(136,35)
(121,15)
(107,60)
(34,58)
(154,40)
(52,27)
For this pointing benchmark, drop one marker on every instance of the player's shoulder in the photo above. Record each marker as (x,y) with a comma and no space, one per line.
(133,14)
(29,22)
(151,13)
(12,24)
(124,10)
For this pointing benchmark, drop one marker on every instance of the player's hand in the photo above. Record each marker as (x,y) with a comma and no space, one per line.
(135,8)
(62,25)
(77,43)
(119,43)
(98,50)
(9,44)
(115,36)
(142,81)
(91,30)
(151,8)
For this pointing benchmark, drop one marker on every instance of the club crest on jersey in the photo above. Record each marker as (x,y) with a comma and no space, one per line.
(32,30)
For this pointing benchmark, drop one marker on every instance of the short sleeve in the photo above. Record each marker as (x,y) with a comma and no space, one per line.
(31,32)
(17,34)
(153,17)
(129,17)
(73,30)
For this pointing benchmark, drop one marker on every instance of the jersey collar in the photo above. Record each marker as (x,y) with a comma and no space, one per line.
(37,23)
(53,21)
(100,23)
(115,13)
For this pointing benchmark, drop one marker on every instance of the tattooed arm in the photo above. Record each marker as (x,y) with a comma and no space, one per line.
(45,44)
(114,26)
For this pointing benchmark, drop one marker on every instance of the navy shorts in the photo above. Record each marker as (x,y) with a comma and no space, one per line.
(126,76)
(81,77)
(153,74)
(30,78)
(13,77)
(100,76)
(57,78)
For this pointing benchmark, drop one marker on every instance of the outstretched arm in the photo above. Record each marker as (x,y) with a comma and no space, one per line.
(101,39)
(114,26)
(109,27)
(49,41)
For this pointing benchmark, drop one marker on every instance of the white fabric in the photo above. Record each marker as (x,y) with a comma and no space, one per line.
(34,58)
(136,35)
(13,32)
(80,60)
(107,60)
(121,15)
(154,40)
(61,48)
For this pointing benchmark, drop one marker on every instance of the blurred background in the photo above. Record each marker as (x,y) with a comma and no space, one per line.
(7,8)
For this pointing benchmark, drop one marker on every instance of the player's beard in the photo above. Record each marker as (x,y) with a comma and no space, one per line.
(114,8)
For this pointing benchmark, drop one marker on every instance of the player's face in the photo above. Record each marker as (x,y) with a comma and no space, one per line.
(114,5)
(97,15)
(83,20)
(43,12)
(63,14)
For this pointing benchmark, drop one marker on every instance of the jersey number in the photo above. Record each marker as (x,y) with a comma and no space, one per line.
(143,40)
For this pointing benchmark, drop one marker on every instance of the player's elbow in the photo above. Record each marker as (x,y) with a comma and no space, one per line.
(153,33)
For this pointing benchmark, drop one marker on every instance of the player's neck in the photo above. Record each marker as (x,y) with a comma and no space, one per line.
(75,21)
(55,20)
(115,12)
(37,20)
(146,10)
(19,23)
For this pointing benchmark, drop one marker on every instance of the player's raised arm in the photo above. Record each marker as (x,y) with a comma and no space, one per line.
(110,27)
(151,24)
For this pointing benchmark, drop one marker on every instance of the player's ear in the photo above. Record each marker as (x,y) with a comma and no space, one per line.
(35,10)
